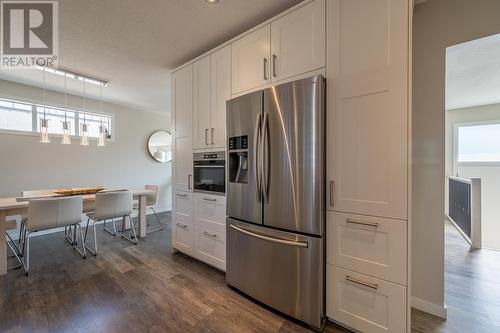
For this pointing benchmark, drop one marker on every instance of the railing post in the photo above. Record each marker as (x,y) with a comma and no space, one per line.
(476,213)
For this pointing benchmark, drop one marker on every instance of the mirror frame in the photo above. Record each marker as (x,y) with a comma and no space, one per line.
(151,153)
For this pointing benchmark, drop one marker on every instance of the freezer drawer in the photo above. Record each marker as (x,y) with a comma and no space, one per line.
(280,269)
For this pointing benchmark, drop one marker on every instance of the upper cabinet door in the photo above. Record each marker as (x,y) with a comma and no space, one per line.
(221,92)
(201,103)
(367,75)
(298,41)
(250,60)
(182,101)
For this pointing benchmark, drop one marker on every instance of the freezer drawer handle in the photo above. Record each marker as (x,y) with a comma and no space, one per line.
(209,234)
(366,284)
(369,224)
(270,239)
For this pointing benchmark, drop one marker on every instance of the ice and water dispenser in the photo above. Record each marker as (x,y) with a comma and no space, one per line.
(238,159)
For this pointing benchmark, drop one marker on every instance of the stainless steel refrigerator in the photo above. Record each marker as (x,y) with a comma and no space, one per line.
(275,248)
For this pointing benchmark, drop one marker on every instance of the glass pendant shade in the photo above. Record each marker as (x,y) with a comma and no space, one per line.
(84,140)
(44,131)
(66,139)
(102,133)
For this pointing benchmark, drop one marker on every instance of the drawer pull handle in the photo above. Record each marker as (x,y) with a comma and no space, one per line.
(181,195)
(369,224)
(208,199)
(366,284)
(209,234)
(331,193)
(183,226)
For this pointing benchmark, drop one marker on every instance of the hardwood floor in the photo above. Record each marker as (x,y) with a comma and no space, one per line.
(128,288)
(145,288)
(472,290)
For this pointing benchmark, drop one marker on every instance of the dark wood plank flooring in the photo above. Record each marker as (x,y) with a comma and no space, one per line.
(128,288)
(145,288)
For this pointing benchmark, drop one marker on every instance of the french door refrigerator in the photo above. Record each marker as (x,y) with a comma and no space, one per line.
(275,223)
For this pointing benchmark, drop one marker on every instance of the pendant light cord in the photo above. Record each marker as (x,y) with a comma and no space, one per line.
(44,118)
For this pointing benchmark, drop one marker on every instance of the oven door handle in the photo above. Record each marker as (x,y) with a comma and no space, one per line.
(208,166)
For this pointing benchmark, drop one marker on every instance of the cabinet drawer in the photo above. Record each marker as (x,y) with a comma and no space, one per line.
(183,237)
(183,207)
(210,211)
(364,303)
(210,247)
(369,245)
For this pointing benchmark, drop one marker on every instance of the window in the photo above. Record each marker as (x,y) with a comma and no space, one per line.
(25,117)
(478,143)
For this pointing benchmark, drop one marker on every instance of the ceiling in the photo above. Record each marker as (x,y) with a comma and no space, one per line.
(135,44)
(473,73)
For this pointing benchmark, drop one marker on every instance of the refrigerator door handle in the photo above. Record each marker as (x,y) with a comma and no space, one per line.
(256,153)
(265,158)
(270,239)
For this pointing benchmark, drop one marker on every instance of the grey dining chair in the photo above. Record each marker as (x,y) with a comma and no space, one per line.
(51,213)
(109,206)
(151,202)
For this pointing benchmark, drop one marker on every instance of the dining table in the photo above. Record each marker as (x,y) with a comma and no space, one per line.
(15,206)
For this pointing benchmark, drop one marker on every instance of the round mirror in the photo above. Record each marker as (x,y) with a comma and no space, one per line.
(160,146)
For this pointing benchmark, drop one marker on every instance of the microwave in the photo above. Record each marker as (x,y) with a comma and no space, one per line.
(209,172)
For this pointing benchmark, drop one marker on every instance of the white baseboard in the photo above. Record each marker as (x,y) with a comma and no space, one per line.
(432,308)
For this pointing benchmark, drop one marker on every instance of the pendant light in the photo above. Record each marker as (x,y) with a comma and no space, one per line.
(84,135)
(66,138)
(102,129)
(44,123)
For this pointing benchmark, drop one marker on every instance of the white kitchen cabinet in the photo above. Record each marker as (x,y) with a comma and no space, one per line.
(367,108)
(182,101)
(364,303)
(182,222)
(210,247)
(371,245)
(210,211)
(220,87)
(201,103)
(251,60)
(183,164)
(298,41)
(182,113)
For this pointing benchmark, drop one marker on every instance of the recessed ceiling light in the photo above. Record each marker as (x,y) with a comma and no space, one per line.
(212,2)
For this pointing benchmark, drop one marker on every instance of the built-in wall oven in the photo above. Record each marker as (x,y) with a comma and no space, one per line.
(210,172)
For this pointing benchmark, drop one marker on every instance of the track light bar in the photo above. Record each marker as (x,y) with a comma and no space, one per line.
(73,75)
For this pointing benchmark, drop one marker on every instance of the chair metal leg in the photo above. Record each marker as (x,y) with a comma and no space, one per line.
(134,240)
(16,253)
(67,235)
(82,252)
(94,250)
(109,231)
(158,221)
(26,257)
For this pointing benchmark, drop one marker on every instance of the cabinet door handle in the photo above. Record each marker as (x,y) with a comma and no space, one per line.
(274,65)
(206,136)
(265,69)
(212,135)
(189,182)
(369,224)
(183,226)
(209,234)
(208,199)
(181,195)
(331,193)
(363,283)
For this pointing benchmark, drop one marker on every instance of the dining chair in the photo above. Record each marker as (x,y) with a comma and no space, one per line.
(9,226)
(24,217)
(51,213)
(151,202)
(109,206)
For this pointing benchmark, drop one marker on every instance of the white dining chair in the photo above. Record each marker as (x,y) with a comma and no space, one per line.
(9,226)
(151,203)
(51,213)
(31,193)
(109,206)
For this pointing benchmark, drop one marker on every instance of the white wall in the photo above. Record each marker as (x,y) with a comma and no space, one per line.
(437,24)
(489,174)
(27,164)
